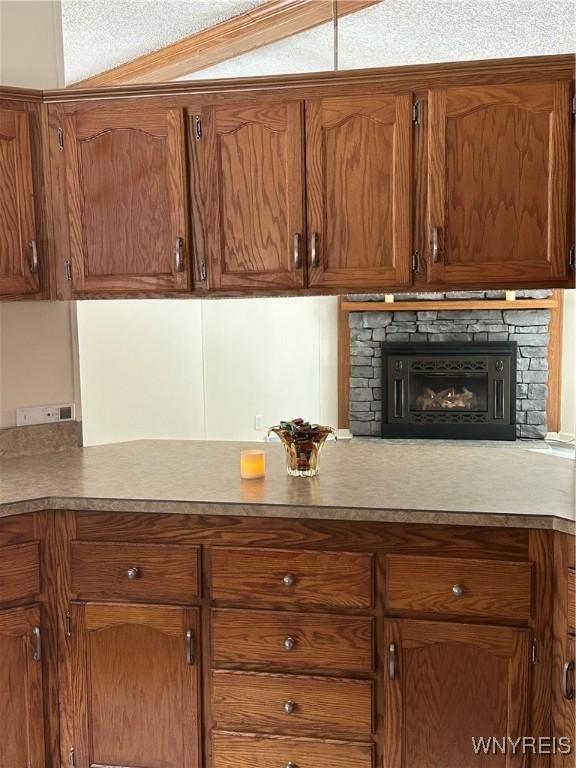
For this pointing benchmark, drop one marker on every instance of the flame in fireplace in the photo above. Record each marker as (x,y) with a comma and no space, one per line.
(446,399)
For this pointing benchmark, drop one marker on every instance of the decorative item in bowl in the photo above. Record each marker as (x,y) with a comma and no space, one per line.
(303,442)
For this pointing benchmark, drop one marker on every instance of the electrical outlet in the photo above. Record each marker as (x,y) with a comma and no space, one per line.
(44,414)
(258,422)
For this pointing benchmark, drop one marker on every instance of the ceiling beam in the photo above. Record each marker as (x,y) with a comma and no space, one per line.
(267,23)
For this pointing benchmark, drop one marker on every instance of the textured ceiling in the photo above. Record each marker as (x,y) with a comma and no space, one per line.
(99,34)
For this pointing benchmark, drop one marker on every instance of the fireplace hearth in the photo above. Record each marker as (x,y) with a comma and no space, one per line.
(449,390)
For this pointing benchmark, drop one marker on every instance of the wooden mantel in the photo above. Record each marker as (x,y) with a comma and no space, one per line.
(555,304)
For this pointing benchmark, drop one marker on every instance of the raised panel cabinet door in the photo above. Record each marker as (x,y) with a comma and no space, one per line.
(447,684)
(21,698)
(248,195)
(127,199)
(136,688)
(18,252)
(498,184)
(359,188)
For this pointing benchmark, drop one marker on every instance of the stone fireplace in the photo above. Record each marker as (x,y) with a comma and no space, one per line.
(527,327)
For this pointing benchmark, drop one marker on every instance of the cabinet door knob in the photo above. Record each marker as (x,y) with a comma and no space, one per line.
(567,690)
(132,573)
(288,580)
(457,590)
(289,707)
(289,644)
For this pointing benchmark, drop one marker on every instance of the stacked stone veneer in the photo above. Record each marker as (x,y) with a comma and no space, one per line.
(528,327)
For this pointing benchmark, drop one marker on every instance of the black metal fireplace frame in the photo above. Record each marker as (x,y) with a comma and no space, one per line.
(492,429)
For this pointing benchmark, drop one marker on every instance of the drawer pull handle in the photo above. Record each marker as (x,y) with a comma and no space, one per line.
(37,655)
(392,664)
(291,765)
(133,574)
(296,251)
(189,648)
(289,707)
(288,580)
(289,644)
(567,689)
(457,590)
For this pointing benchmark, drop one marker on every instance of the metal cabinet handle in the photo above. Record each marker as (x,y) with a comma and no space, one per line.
(291,765)
(289,644)
(457,590)
(288,580)
(179,254)
(296,251)
(189,647)
(133,574)
(392,661)
(37,655)
(567,689)
(289,707)
(314,259)
(202,270)
(435,244)
(34,259)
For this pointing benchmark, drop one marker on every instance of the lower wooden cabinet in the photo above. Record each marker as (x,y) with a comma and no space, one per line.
(447,684)
(21,693)
(136,687)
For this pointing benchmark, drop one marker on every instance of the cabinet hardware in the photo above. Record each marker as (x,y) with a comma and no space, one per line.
(296,251)
(68,624)
(34,259)
(291,765)
(392,665)
(289,644)
(416,113)
(572,258)
(416,262)
(289,707)
(37,655)
(202,270)
(178,252)
(197,127)
(573,106)
(534,651)
(457,590)
(288,580)
(314,261)
(567,689)
(133,574)
(72,758)
(60,134)
(435,244)
(67,270)
(189,648)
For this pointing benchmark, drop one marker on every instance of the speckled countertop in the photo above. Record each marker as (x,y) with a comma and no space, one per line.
(359,480)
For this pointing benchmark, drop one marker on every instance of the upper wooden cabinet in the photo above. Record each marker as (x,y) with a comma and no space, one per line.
(359,191)
(126,198)
(248,194)
(18,237)
(499,184)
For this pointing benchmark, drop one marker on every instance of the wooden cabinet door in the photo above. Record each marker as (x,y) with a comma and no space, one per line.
(453,683)
(359,185)
(135,674)
(21,699)
(248,195)
(127,207)
(498,184)
(18,256)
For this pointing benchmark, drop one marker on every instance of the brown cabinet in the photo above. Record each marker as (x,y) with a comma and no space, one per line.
(498,184)
(136,685)
(126,196)
(359,191)
(21,694)
(248,194)
(449,683)
(18,235)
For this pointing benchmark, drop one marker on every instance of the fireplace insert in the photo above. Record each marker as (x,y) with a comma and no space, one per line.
(446,390)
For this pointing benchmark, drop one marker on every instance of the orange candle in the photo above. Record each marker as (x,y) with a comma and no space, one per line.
(252,465)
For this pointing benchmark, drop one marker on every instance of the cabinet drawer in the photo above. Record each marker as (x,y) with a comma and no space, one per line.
(292,641)
(292,704)
(106,571)
(278,578)
(232,751)
(19,572)
(489,588)
(572,598)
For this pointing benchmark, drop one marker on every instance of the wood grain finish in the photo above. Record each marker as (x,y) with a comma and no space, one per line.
(232,750)
(135,695)
(21,697)
(322,643)
(126,199)
(358,156)
(315,579)
(454,681)
(498,590)
(325,707)
(498,183)
(17,206)
(571,613)
(164,573)
(19,572)
(251,189)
